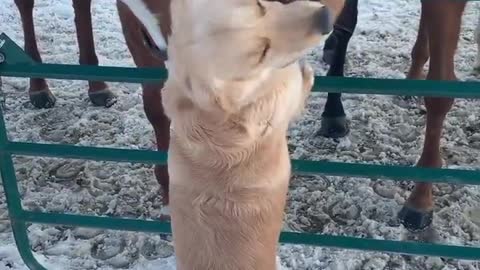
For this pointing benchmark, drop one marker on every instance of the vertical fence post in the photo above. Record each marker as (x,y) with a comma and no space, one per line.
(14,204)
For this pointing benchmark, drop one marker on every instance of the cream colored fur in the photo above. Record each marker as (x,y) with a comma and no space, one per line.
(234,85)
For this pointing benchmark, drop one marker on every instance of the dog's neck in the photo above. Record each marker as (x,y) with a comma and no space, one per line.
(232,119)
(231,136)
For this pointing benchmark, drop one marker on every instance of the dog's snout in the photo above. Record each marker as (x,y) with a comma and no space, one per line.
(324,20)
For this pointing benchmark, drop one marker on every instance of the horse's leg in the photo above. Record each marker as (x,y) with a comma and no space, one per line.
(98,92)
(152,101)
(443,20)
(419,55)
(420,52)
(477,40)
(40,94)
(334,124)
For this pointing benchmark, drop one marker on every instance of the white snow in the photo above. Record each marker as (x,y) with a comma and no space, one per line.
(384,130)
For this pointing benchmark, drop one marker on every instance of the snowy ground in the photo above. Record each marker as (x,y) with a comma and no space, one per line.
(383,131)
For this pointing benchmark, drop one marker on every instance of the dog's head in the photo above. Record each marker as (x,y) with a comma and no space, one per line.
(233,69)
(236,45)
(241,39)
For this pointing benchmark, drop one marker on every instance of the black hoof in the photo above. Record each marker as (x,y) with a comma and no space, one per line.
(43,99)
(415,220)
(103,98)
(334,127)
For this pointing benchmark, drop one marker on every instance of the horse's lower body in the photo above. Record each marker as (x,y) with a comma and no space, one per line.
(437,40)
(144,55)
(39,92)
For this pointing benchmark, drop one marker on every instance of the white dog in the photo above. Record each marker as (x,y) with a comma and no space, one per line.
(234,85)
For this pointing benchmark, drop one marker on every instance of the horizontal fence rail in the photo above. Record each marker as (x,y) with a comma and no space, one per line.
(15,63)
(135,225)
(399,173)
(322,83)
(27,68)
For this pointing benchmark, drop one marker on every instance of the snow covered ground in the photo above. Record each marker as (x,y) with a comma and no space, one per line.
(383,131)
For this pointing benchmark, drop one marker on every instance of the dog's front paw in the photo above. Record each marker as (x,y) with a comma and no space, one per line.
(308,76)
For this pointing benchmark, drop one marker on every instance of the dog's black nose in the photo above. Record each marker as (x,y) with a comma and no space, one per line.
(324,20)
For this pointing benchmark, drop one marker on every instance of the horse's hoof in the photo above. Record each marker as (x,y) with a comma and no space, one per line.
(334,127)
(43,99)
(105,98)
(415,220)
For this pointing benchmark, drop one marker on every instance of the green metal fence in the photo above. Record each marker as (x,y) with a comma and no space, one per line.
(15,63)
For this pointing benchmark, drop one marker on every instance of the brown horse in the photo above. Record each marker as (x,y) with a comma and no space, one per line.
(39,92)
(437,40)
(145,53)
(140,44)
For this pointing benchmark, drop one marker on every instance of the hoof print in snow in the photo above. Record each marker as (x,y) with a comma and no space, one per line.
(155,249)
(344,212)
(67,171)
(107,247)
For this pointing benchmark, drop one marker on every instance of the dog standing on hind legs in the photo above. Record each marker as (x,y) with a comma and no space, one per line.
(230,108)
(39,92)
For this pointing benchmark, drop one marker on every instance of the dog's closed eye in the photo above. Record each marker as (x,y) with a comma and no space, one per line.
(256,54)
(266,48)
